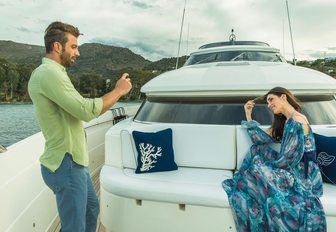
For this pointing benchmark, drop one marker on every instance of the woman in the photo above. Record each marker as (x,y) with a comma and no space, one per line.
(278,191)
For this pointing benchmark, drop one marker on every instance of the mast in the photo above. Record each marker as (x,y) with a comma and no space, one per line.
(290,29)
(179,45)
(187,43)
(283,33)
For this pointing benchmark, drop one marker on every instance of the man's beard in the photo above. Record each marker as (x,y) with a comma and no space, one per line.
(66,59)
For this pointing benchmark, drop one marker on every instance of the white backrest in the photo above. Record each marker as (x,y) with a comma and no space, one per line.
(195,145)
(244,143)
(324,130)
(128,150)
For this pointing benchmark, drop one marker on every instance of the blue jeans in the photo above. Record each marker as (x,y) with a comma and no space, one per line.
(77,202)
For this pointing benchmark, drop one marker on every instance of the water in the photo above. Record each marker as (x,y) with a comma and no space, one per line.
(18,122)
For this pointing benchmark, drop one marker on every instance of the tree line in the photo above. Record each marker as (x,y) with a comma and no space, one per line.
(14,79)
(327,66)
(14,82)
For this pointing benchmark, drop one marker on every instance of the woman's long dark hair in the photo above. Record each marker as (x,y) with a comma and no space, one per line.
(279,120)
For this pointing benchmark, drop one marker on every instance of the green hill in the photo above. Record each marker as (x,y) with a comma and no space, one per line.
(106,60)
(94,58)
(21,53)
(165,64)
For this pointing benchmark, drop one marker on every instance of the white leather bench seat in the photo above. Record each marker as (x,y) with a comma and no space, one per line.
(205,154)
(195,186)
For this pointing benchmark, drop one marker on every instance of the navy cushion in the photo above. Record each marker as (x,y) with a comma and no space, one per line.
(155,151)
(326,153)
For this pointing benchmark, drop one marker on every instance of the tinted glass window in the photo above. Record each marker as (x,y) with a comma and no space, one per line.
(234,56)
(319,110)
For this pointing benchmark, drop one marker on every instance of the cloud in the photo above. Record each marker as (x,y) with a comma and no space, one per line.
(145,49)
(317,54)
(139,4)
(151,27)
(331,54)
(24,29)
(322,54)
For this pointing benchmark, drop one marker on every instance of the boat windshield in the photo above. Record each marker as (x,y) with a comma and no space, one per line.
(228,111)
(221,56)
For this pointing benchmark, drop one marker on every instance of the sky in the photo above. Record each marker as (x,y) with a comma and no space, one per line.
(151,28)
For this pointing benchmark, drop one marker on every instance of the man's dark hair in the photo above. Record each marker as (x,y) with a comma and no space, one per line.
(56,32)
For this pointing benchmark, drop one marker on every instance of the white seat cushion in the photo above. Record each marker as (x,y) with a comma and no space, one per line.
(192,186)
(329,199)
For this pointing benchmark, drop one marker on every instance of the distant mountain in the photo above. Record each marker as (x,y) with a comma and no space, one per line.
(21,53)
(106,60)
(101,59)
(165,64)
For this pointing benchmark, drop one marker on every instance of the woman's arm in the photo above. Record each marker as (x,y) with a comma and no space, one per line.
(292,146)
(248,107)
(257,135)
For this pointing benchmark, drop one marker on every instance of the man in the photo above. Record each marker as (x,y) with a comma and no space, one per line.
(60,110)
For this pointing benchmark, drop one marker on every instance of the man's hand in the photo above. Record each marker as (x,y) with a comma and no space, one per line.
(123,85)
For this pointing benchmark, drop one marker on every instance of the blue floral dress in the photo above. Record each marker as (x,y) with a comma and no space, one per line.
(278,191)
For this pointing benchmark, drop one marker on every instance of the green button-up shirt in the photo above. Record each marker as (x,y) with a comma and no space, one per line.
(60,110)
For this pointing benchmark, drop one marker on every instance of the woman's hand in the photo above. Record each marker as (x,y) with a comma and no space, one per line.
(248,107)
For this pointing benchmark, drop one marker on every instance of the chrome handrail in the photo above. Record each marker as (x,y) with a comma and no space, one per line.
(2,148)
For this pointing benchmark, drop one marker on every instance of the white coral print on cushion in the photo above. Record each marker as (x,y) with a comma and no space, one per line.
(325,159)
(149,156)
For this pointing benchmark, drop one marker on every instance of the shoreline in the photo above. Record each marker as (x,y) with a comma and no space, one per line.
(16,103)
